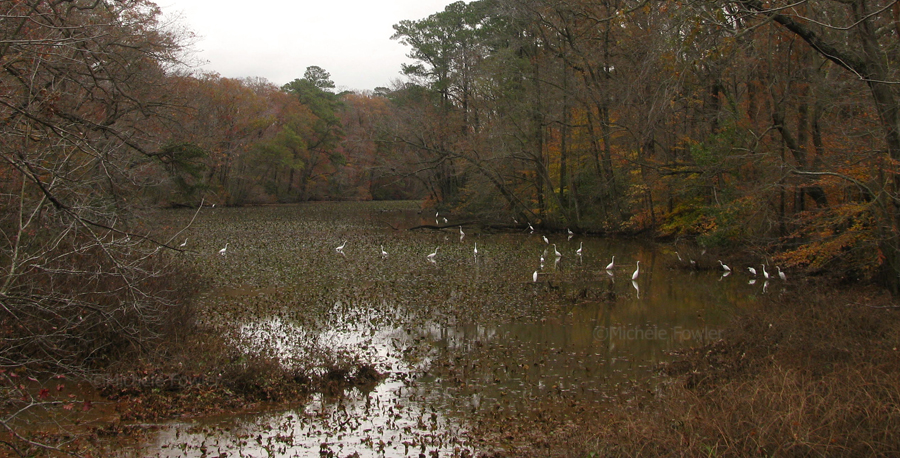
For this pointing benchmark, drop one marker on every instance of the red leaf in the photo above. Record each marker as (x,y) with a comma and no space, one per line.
(86,406)
(44,393)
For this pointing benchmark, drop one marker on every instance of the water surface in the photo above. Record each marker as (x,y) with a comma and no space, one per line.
(458,336)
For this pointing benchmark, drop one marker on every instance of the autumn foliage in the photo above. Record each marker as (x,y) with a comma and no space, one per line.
(735,123)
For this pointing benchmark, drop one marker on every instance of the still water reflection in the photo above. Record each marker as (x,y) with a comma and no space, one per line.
(456,335)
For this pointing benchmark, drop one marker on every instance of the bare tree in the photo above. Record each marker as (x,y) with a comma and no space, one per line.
(82,101)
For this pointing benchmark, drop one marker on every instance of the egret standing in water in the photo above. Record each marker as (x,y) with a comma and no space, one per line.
(432,255)
(383,253)
(530,229)
(752,271)
(580,248)
(765,274)
(476,250)
(781,274)
(556,252)
(340,249)
(637,271)
(611,263)
(534,276)
(724,267)
(224,250)
(462,234)
(545,239)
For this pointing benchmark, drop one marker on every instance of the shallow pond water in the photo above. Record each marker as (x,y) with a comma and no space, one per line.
(458,335)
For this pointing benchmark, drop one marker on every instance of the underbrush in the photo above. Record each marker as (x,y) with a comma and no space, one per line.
(811,373)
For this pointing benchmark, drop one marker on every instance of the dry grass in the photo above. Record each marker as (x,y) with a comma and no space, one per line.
(806,374)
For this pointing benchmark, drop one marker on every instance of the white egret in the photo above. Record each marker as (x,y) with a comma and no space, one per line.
(611,263)
(223,250)
(637,271)
(580,248)
(445,220)
(183,243)
(724,267)
(781,274)
(556,252)
(432,255)
(570,231)
(534,276)
(752,271)
(542,261)
(476,249)
(545,239)
(462,234)
(765,274)
(340,249)
(531,229)
(383,253)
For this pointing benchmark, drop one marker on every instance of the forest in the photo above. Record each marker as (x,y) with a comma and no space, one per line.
(763,126)
(734,123)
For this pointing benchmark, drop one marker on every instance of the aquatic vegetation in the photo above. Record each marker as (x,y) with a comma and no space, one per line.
(446,341)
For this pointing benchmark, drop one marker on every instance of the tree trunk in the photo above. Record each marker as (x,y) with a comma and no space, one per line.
(870,65)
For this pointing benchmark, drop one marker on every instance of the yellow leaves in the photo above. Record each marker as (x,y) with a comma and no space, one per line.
(842,238)
(690,218)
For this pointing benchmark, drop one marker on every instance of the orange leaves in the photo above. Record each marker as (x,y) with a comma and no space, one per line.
(842,239)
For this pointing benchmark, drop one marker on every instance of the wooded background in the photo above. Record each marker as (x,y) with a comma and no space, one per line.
(739,124)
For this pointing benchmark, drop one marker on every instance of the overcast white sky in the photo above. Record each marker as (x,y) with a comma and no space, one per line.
(278,39)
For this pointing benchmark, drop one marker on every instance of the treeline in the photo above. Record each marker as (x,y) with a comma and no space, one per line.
(774,124)
(247,141)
